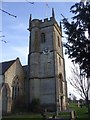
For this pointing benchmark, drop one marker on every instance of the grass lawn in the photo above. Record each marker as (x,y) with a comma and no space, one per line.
(80,112)
(23,117)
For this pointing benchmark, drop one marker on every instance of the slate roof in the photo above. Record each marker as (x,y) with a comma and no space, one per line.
(5,65)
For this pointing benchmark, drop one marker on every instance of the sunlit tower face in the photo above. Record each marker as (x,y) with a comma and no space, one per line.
(46,63)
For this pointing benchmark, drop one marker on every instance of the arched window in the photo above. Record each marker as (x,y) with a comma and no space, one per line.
(61,83)
(5,91)
(59,61)
(15,91)
(58,41)
(43,38)
(36,35)
(15,88)
(36,41)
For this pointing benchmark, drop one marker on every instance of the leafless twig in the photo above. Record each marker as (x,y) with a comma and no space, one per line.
(4,41)
(8,13)
(29,2)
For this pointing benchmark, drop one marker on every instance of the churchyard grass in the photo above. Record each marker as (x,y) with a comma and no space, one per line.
(23,117)
(81,114)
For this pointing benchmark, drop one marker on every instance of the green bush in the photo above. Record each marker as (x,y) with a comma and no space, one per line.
(35,106)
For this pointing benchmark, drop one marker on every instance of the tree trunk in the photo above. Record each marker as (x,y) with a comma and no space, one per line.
(89,109)
(88,106)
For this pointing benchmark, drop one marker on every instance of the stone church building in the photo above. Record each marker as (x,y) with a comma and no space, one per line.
(12,76)
(44,76)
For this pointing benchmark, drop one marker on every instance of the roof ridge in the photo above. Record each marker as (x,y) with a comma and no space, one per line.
(8,61)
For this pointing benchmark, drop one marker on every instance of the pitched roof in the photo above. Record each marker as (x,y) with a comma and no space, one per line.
(25,68)
(5,65)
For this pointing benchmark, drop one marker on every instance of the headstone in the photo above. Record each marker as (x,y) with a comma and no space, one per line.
(73,114)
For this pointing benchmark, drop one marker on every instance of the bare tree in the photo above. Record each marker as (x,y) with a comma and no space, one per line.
(79,82)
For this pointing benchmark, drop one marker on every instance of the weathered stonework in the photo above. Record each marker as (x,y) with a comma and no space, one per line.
(46,64)
(13,74)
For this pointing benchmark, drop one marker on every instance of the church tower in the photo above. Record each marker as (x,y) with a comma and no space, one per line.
(47,80)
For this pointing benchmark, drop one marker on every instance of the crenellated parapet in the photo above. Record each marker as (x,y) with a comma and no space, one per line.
(43,23)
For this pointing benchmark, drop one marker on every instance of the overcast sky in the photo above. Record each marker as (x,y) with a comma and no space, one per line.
(15,29)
